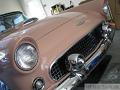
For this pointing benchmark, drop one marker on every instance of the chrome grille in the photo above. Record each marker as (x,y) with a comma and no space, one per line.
(59,69)
(85,47)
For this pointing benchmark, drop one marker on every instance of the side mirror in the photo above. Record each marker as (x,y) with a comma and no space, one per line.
(27,22)
(20,25)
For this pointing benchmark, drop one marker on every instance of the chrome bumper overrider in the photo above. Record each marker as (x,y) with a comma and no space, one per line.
(89,66)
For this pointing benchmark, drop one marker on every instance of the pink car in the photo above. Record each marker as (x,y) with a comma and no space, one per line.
(55,53)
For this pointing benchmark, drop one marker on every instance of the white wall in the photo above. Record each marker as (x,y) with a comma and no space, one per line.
(76,2)
(9,5)
(33,8)
(49,3)
(22,5)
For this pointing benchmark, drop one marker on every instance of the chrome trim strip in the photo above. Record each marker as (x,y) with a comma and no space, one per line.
(99,52)
(67,84)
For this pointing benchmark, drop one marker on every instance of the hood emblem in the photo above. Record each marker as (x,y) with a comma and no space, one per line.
(81,21)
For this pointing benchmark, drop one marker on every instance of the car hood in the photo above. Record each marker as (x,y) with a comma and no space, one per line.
(43,27)
(54,30)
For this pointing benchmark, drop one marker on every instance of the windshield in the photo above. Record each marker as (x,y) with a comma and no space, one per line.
(10,20)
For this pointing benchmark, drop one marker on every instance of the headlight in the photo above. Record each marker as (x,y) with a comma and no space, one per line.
(26,56)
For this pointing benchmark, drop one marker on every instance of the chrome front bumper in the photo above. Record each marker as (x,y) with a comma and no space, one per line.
(90,65)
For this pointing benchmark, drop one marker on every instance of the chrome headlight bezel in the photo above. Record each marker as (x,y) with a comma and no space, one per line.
(20,63)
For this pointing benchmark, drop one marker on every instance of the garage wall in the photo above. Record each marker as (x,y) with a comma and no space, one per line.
(9,5)
(22,5)
(33,8)
(48,3)
(76,2)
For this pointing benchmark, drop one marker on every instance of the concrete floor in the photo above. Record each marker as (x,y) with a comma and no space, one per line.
(115,48)
(112,72)
(109,70)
